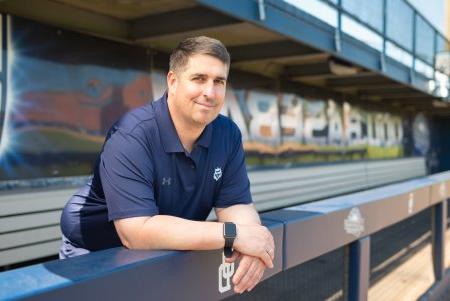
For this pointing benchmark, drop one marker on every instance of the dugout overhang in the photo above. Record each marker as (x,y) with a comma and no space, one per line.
(273,46)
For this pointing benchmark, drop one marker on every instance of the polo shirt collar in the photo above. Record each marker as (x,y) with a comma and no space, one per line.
(205,138)
(169,137)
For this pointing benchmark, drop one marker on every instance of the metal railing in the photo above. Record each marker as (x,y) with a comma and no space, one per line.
(395,28)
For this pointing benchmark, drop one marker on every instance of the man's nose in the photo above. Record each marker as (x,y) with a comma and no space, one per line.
(209,90)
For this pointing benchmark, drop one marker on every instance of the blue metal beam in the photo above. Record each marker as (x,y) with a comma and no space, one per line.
(296,25)
(268,50)
(177,21)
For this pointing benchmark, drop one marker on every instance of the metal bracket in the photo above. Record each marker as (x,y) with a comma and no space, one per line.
(337,40)
(383,62)
(262,10)
(439,226)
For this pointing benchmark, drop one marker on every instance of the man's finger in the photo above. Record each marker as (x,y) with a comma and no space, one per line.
(255,277)
(244,264)
(261,274)
(271,253)
(273,244)
(245,281)
(269,237)
(265,257)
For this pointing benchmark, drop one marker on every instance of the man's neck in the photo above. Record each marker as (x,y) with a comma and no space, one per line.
(188,132)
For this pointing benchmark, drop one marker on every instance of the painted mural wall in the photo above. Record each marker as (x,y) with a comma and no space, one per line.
(287,128)
(63,90)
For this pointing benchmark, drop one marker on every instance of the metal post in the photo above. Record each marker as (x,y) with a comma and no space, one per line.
(413,68)
(337,36)
(383,53)
(359,269)
(435,50)
(439,225)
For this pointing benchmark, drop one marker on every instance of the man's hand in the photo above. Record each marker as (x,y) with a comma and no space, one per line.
(256,241)
(254,245)
(249,273)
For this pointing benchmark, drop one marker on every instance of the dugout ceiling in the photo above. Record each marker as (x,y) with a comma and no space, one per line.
(287,49)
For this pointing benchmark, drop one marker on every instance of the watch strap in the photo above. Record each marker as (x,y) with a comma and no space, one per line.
(229,235)
(228,252)
(229,242)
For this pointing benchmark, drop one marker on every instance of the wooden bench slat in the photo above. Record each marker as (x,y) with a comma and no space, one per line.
(21,238)
(29,252)
(27,221)
(20,203)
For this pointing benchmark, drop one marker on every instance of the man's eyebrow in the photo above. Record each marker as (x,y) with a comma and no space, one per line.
(197,74)
(204,75)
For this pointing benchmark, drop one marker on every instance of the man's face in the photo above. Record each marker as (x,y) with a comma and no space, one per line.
(198,91)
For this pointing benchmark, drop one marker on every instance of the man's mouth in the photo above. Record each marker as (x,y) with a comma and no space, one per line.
(207,105)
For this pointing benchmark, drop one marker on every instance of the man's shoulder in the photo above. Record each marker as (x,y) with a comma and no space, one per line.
(137,118)
(225,123)
(226,127)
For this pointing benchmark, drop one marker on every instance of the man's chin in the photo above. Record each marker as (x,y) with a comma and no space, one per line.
(203,120)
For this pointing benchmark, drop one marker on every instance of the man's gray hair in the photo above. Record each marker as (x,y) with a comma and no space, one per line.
(197,45)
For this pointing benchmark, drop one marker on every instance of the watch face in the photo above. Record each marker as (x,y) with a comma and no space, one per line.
(230,230)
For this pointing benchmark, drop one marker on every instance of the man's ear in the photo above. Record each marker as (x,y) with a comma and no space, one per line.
(172,82)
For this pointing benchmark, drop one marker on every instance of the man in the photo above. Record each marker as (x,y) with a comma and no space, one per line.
(164,166)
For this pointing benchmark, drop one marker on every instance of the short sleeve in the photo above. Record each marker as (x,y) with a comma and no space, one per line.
(235,188)
(126,172)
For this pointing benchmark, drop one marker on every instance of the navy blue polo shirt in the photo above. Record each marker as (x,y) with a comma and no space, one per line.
(143,170)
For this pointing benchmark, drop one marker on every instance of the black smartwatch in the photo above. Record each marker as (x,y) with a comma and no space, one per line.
(229,234)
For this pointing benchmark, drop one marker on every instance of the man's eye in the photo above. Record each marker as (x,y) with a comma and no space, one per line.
(219,81)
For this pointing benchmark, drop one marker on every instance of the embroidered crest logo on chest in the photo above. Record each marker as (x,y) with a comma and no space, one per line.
(217,173)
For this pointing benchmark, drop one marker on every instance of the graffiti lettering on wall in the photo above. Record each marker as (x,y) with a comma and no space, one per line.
(308,121)
(289,124)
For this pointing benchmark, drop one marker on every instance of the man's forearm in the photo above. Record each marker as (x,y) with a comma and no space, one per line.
(239,214)
(169,232)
